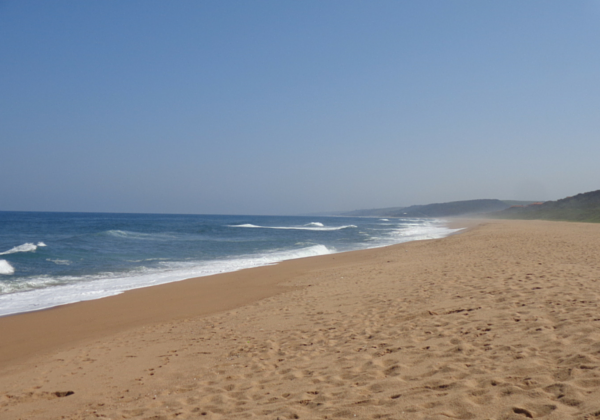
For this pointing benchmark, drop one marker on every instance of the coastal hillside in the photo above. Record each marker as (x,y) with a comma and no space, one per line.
(454,208)
(579,208)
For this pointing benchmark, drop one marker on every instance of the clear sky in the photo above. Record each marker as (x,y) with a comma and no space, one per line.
(288,107)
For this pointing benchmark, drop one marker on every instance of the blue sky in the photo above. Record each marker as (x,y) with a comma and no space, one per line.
(288,107)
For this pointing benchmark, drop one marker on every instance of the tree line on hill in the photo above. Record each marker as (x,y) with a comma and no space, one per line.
(583,207)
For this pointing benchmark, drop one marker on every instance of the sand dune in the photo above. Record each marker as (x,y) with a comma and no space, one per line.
(499,322)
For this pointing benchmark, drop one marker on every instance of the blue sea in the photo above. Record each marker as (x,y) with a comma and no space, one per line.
(50,259)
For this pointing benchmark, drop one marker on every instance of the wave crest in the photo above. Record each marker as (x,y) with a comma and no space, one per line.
(311,226)
(125,234)
(6,268)
(28,247)
(59,262)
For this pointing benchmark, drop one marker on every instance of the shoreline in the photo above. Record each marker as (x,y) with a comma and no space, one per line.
(102,287)
(501,321)
(54,327)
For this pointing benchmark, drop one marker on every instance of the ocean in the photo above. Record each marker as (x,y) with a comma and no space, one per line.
(51,259)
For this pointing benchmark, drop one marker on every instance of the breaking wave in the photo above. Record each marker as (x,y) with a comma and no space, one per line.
(124,234)
(46,291)
(28,247)
(6,268)
(311,226)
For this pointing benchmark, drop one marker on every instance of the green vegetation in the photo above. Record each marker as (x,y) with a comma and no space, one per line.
(510,203)
(580,208)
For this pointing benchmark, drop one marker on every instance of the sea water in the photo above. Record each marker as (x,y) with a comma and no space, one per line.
(50,259)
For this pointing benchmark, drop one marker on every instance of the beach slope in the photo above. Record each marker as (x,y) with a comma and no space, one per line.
(499,322)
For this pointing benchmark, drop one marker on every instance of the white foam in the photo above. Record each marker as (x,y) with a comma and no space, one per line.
(314,224)
(32,284)
(411,230)
(6,268)
(59,262)
(125,234)
(66,290)
(311,226)
(434,229)
(28,247)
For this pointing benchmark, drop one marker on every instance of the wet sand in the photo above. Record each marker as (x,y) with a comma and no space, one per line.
(499,322)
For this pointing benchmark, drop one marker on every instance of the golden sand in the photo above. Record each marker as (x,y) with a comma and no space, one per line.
(499,322)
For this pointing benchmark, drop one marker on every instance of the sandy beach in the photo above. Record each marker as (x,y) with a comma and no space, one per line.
(501,321)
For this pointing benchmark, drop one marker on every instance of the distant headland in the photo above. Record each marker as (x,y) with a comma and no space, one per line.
(583,207)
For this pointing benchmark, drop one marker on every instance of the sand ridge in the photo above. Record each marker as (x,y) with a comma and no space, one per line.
(500,322)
